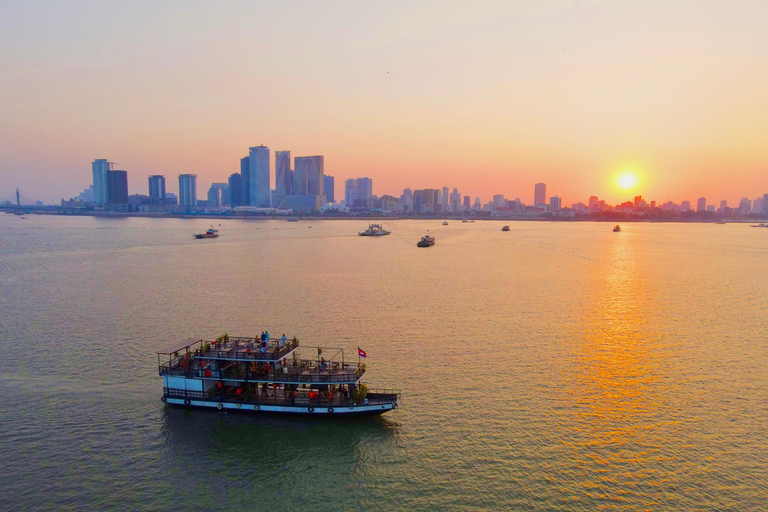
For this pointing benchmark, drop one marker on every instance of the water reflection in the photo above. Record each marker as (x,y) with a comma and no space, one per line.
(273,459)
(616,440)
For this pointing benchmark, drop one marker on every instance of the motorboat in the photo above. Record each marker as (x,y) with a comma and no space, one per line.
(426,241)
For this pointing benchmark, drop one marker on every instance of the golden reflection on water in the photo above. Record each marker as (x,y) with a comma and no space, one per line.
(615,389)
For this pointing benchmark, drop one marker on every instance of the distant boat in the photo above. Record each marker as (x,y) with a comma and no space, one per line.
(426,241)
(761,225)
(293,220)
(374,230)
(616,228)
(211,233)
(445,223)
(720,222)
(505,228)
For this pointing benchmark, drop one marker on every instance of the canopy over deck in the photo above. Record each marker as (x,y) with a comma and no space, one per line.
(179,345)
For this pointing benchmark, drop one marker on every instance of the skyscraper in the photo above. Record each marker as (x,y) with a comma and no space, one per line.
(350,192)
(188,190)
(555,204)
(259,177)
(282,172)
(540,194)
(364,191)
(328,189)
(117,187)
(157,188)
(308,175)
(701,204)
(100,191)
(245,182)
(445,199)
(235,189)
(215,194)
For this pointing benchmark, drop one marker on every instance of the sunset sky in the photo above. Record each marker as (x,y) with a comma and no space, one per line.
(488,97)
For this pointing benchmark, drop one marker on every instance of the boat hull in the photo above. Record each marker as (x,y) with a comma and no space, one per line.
(304,410)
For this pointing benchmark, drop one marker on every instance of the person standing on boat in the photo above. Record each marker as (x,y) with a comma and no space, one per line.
(266,336)
(263,337)
(282,341)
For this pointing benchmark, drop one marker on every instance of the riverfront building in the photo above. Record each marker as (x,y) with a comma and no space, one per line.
(188,190)
(259,177)
(157,189)
(282,173)
(540,195)
(117,187)
(100,168)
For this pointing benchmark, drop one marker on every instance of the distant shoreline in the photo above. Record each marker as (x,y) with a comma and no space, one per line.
(36,210)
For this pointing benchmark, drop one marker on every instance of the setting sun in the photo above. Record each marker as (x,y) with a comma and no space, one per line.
(627,180)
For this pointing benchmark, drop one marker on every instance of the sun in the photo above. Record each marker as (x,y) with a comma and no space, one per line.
(627,180)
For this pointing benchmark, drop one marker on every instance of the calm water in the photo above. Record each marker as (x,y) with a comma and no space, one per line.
(557,366)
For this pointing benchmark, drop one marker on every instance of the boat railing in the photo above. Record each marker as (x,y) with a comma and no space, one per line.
(293,376)
(302,397)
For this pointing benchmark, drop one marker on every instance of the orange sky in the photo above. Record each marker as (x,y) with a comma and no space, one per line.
(489,97)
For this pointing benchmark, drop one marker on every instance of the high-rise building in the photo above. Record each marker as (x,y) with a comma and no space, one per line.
(350,191)
(328,189)
(445,199)
(498,201)
(685,206)
(245,181)
(364,190)
(454,200)
(188,190)
(308,175)
(540,194)
(117,187)
(425,200)
(701,204)
(594,204)
(289,190)
(723,205)
(282,172)
(100,167)
(157,189)
(466,205)
(745,206)
(259,177)
(555,204)
(235,189)
(214,194)
(406,200)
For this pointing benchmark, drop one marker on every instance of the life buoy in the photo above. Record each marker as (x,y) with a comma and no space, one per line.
(186,401)
(255,407)
(330,409)
(220,406)
(311,409)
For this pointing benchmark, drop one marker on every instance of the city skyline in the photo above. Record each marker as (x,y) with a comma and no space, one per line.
(557,92)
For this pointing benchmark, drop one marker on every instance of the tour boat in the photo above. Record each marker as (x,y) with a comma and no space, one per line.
(616,228)
(248,374)
(426,241)
(211,233)
(505,228)
(374,230)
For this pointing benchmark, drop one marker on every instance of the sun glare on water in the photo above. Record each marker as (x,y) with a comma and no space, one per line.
(627,180)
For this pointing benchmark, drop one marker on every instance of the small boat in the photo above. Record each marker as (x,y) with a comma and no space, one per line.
(720,222)
(505,228)
(465,220)
(211,233)
(761,225)
(616,228)
(293,220)
(374,230)
(445,223)
(426,241)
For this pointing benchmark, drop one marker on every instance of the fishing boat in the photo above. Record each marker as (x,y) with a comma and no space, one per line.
(374,230)
(505,228)
(616,228)
(274,376)
(426,241)
(211,233)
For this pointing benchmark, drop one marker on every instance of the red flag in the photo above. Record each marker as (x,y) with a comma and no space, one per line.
(361,352)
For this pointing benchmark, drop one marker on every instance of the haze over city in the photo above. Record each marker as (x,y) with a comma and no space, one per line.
(489,98)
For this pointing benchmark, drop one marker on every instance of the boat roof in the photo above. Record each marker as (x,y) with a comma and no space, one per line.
(179,345)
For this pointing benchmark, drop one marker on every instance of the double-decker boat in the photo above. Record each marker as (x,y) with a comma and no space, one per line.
(374,230)
(211,233)
(426,241)
(248,374)
(505,228)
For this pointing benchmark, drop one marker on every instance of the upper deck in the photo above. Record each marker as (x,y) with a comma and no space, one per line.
(230,348)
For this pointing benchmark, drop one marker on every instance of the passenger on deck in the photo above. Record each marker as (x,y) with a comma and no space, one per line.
(263,337)
(266,336)
(282,341)
(323,364)
(264,389)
